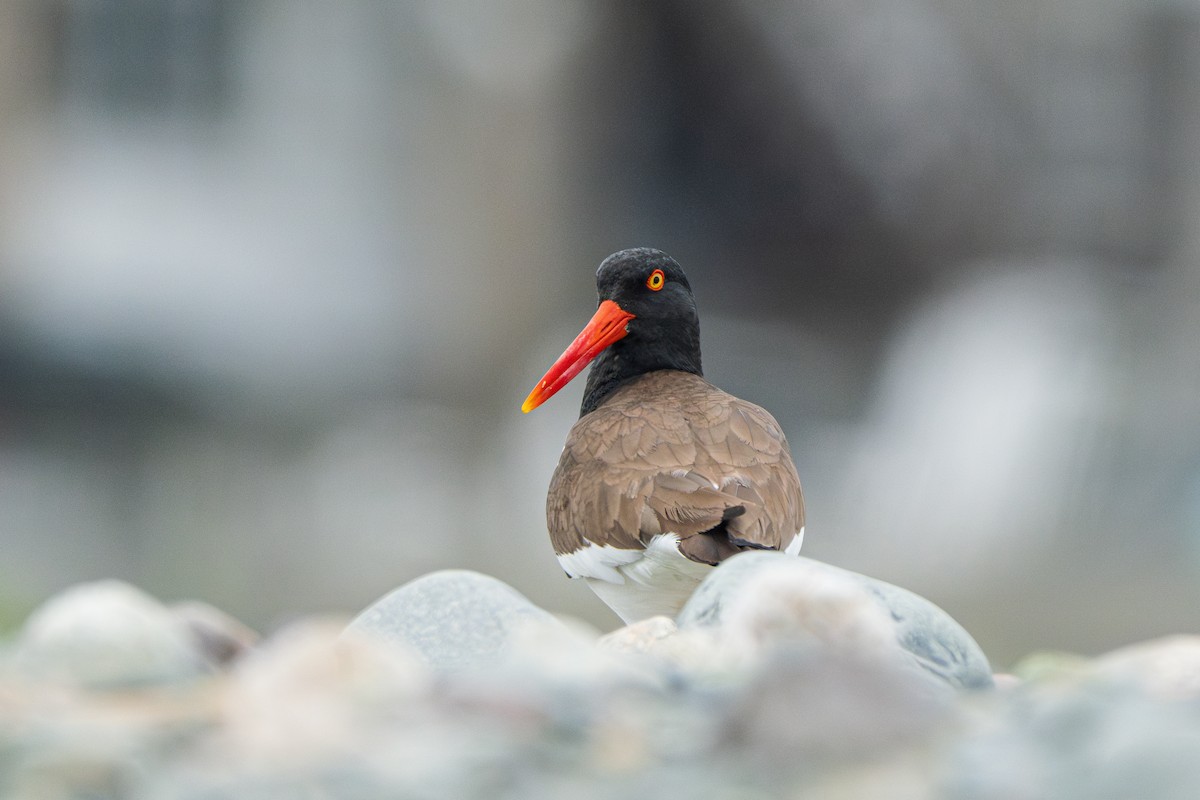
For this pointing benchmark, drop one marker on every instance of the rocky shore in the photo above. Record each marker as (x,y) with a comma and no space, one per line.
(780,678)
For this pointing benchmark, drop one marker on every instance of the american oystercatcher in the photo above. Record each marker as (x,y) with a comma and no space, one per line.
(664,475)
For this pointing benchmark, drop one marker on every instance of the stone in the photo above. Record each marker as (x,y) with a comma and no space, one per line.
(220,638)
(452,619)
(1089,739)
(1048,666)
(802,601)
(106,634)
(824,678)
(563,655)
(1168,667)
(761,596)
(312,690)
(795,681)
(803,709)
(639,637)
(694,653)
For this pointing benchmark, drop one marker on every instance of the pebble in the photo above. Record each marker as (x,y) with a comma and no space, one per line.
(217,636)
(763,597)
(107,634)
(1168,667)
(453,619)
(311,689)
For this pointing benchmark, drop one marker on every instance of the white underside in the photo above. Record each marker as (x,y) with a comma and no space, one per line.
(638,584)
(793,548)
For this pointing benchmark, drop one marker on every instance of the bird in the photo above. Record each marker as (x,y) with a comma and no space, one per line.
(663,476)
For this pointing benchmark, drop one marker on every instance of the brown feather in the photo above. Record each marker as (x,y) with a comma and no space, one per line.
(669,452)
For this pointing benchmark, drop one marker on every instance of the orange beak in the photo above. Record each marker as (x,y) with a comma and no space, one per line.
(606,326)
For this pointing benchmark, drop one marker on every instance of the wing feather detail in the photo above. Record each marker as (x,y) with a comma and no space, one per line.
(669,452)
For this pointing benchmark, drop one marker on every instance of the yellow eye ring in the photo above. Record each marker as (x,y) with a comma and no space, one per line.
(656,280)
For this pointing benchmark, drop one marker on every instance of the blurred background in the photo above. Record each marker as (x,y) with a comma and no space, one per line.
(275,277)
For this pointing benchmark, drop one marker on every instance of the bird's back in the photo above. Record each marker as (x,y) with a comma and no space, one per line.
(670,455)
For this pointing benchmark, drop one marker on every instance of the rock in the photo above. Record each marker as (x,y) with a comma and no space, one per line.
(312,691)
(762,596)
(1006,681)
(639,637)
(792,679)
(825,679)
(106,634)
(553,678)
(1049,666)
(803,601)
(453,619)
(564,655)
(1168,668)
(805,709)
(694,654)
(1075,740)
(216,635)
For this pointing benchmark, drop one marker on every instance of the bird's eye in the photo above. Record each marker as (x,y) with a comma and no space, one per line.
(656,280)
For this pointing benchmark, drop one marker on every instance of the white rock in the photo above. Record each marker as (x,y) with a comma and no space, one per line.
(803,601)
(1168,667)
(106,634)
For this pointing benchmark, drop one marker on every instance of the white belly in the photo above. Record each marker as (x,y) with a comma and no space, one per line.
(659,582)
(638,584)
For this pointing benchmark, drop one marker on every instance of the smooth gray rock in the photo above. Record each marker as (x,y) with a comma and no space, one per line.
(106,634)
(938,644)
(453,619)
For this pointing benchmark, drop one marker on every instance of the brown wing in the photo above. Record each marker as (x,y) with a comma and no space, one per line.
(671,453)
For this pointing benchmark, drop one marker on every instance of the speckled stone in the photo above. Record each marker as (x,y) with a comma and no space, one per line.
(453,619)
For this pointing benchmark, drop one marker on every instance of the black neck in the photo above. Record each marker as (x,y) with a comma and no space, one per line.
(633,357)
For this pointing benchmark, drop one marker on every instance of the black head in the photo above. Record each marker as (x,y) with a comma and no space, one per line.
(624,278)
(665,330)
(645,321)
